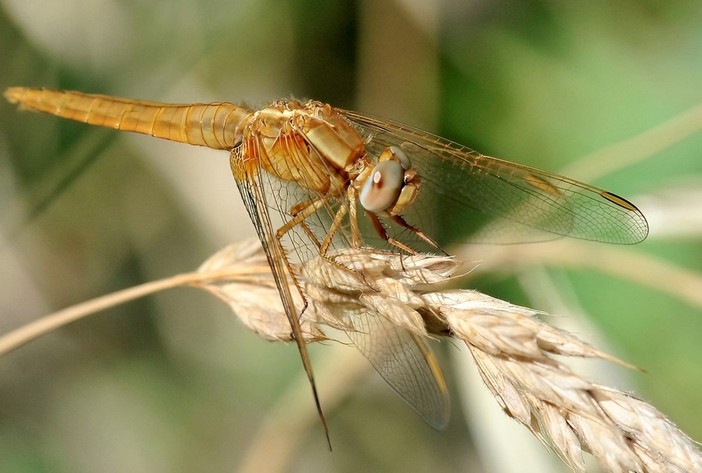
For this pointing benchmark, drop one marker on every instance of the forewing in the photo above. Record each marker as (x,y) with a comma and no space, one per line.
(252,186)
(498,201)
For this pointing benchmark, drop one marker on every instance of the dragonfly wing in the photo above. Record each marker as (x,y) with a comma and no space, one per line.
(251,183)
(508,202)
(402,358)
(406,363)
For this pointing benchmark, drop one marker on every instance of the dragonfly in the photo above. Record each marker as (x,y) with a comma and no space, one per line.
(315,179)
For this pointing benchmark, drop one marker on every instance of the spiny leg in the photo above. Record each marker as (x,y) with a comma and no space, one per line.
(310,234)
(353,217)
(380,229)
(336,223)
(403,223)
(300,213)
(296,209)
(302,205)
(333,229)
(307,208)
(348,207)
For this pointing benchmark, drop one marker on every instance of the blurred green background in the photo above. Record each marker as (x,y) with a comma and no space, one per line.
(174,383)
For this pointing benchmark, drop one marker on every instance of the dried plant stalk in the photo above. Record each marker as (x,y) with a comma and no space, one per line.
(513,349)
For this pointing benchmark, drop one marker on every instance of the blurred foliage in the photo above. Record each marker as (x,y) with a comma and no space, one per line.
(173,383)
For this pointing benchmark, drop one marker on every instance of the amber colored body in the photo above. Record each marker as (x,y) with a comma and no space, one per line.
(310,163)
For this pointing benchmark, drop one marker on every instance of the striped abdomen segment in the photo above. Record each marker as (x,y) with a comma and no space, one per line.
(215,125)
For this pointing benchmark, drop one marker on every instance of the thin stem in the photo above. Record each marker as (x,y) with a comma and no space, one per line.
(638,148)
(622,262)
(15,339)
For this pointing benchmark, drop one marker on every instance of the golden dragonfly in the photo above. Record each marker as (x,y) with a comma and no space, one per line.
(303,168)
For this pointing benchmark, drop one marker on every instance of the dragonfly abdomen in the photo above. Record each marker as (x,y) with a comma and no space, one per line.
(215,125)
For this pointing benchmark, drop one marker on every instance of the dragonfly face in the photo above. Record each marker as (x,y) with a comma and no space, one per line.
(301,169)
(391,185)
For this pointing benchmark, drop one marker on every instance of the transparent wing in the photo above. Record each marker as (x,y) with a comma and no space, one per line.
(406,363)
(497,201)
(461,191)
(400,357)
(251,183)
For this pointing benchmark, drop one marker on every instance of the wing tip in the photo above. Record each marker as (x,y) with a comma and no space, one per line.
(641,229)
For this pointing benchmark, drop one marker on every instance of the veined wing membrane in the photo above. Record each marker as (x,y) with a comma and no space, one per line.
(253,193)
(402,358)
(406,363)
(301,169)
(525,202)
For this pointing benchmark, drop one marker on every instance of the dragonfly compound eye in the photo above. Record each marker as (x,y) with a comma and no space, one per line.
(383,187)
(399,155)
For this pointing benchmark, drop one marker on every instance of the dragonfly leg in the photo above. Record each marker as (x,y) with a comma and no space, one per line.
(300,213)
(336,223)
(353,217)
(380,229)
(296,209)
(307,208)
(301,206)
(310,234)
(403,223)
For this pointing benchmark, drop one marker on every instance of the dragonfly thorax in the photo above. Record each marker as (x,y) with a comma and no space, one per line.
(309,143)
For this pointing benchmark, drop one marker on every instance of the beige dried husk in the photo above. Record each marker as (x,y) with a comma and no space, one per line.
(513,348)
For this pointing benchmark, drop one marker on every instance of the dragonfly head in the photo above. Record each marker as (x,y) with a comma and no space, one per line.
(392,183)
